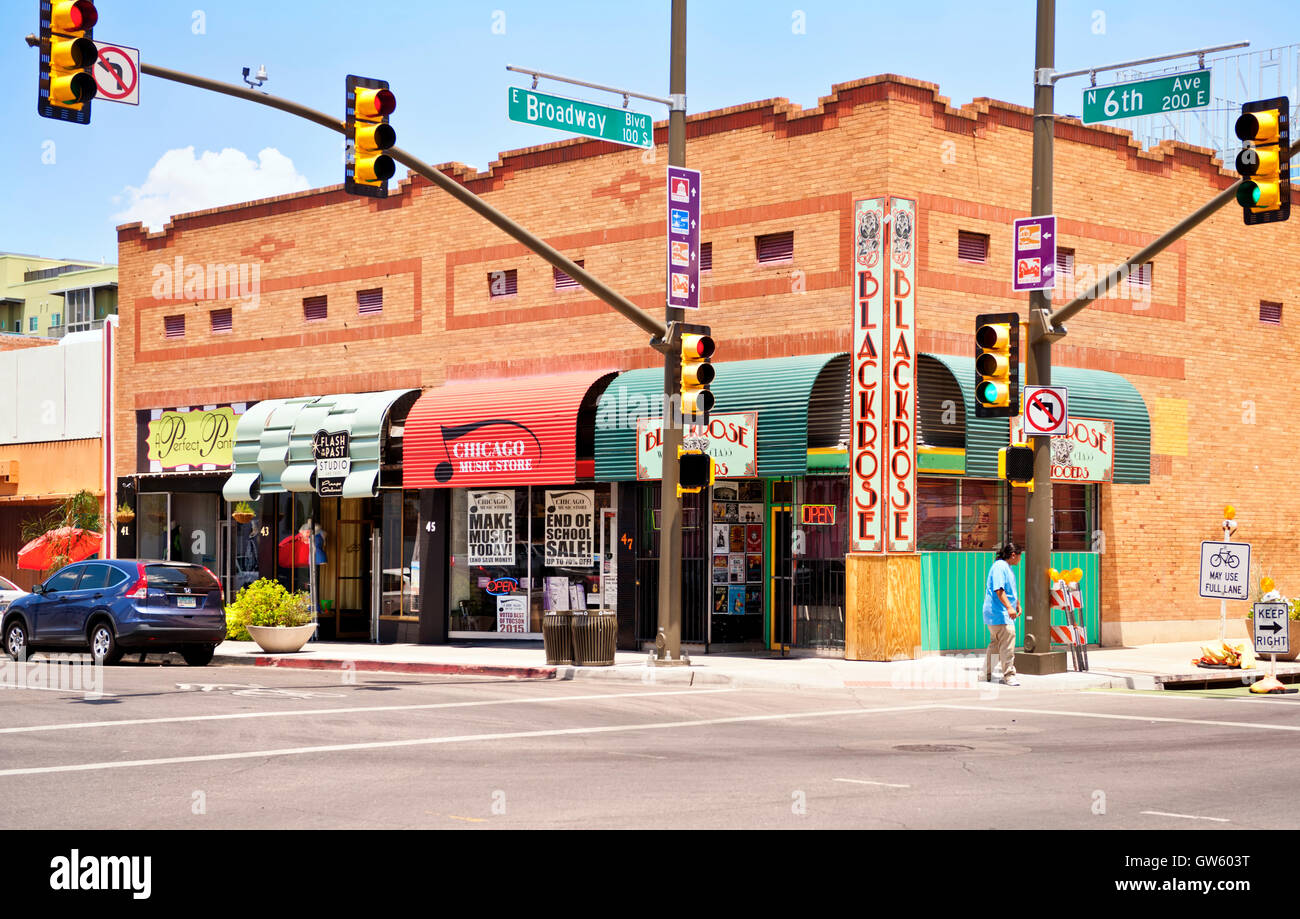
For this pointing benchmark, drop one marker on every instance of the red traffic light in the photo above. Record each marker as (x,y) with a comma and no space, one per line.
(697,347)
(375,103)
(73,15)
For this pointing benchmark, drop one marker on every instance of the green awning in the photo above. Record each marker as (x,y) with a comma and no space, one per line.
(1093,394)
(273,442)
(780,390)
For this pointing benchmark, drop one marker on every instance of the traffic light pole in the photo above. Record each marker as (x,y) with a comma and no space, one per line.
(1038,656)
(668,644)
(658,330)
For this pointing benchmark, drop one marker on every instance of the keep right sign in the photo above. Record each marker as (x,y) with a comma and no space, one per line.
(1272,629)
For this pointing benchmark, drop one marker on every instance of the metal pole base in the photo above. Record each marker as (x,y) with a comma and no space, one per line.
(662,657)
(1041,663)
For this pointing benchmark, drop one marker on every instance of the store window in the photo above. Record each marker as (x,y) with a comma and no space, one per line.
(401,571)
(518,553)
(938,510)
(1075,513)
(981,515)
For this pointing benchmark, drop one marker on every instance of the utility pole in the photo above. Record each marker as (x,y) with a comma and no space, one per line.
(1038,656)
(670,516)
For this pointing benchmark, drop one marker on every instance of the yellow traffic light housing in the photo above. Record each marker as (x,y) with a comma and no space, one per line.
(369,167)
(1016,465)
(66,85)
(697,374)
(1265,190)
(695,471)
(997,365)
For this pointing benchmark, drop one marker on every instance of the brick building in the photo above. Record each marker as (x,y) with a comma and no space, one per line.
(320,293)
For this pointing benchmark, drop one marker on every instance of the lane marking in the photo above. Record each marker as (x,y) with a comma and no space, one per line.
(640,755)
(1187,695)
(84,693)
(459,738)
(865,782)
(346,711)
(1186,816)
(1146,718)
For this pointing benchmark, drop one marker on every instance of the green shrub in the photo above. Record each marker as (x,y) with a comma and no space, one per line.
(266,603)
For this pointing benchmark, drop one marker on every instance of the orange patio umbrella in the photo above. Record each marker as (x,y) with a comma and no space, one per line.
(72,543)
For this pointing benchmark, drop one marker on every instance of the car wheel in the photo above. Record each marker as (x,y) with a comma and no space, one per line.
(103,644)
(198,655)
(16,640)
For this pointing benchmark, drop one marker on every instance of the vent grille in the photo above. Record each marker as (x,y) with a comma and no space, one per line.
(222,320)
(503,283)
(563,281)
(774,247)
(972,247)
(314,309)
(706,256)
(174,326)
(370,302)
(1270,313)
(1065,262)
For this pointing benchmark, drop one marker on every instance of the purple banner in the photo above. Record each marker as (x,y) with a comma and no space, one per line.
(683,238)
(1033,266)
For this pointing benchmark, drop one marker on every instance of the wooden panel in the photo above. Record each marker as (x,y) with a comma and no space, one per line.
(883,615)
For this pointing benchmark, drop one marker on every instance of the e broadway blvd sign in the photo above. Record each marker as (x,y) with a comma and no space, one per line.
(620,126)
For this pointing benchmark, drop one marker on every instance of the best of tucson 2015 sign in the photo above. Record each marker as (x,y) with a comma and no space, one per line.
(883,442)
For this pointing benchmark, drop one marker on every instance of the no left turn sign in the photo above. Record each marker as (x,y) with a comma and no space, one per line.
(1045,411)
(117,73)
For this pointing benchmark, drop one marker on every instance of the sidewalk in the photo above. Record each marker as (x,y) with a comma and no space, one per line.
(1144,667)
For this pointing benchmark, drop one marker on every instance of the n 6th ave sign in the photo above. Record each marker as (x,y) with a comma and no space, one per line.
(635,129)
(1175,93)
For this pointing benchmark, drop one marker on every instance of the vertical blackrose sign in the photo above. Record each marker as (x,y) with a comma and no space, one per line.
(900,519)
(867,453)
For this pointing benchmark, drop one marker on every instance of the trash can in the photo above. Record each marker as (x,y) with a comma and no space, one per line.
(595,635)
(557,637)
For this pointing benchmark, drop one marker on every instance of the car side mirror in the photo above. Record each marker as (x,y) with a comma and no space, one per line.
(39,589)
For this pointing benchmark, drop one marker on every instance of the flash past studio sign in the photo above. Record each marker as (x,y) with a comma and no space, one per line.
(331,451)
(570,529)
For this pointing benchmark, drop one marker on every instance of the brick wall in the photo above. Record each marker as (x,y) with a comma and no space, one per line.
(1217,382)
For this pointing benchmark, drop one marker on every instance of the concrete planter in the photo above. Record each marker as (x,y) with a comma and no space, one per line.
(277,639)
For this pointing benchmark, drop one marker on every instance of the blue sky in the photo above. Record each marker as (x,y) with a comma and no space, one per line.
(69,186)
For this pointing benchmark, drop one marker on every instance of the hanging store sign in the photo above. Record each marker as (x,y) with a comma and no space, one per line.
(866,457)
(1086,453)
(491,527)
(731,439)
(900,515)
(331,451)
(570,529)
(200,438)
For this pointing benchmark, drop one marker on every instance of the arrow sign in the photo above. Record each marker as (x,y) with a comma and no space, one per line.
(1272,631)
(1271,627)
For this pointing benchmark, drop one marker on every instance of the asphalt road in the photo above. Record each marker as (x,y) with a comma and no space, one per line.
(244,747)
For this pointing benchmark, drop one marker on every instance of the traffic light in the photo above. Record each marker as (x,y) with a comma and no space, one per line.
(695,471)
(997,365)
(1016,465)
(697,373)
(368,167)
(66,85)
(1265,190)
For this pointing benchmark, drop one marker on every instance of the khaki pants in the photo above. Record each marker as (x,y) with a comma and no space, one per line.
(1002,638)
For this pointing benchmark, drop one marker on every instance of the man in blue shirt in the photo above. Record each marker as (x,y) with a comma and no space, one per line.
(1001,607)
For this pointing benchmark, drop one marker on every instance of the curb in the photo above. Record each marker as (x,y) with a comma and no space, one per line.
(319,663)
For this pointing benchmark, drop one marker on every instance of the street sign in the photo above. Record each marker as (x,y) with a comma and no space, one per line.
(573,116)
(1175,93)
(117,73)
(1033,265)
(683,238)
(1046,411)
(1225,570)
(1272,629)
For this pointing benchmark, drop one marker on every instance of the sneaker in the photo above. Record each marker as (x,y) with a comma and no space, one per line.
(1010,681)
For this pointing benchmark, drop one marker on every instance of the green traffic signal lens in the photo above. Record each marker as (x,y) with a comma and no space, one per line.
(988,393)
(1248,194)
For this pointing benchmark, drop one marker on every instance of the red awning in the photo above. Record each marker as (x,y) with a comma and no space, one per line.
(522,431)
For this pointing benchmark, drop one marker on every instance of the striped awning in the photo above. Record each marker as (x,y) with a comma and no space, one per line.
(273,442)
(801,402)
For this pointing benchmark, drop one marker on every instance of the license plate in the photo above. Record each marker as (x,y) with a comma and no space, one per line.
(187,602)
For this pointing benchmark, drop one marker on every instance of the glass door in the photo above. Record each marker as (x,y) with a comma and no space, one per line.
(153,526)
(781,573)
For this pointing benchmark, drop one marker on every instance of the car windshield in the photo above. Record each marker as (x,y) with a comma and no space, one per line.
(6,584)
(178,577)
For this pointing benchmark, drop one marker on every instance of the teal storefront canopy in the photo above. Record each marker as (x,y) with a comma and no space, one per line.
(1092,394)
(273,442)
(792,397)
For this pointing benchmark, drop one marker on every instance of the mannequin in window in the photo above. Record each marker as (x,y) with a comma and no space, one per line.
(318,541)
(177,551)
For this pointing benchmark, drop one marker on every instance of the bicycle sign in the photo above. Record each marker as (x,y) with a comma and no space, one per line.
(1225,568)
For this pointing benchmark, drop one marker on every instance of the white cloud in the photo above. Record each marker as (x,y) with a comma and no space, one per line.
(180,183)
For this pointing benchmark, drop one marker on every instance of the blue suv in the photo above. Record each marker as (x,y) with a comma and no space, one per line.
(115,606)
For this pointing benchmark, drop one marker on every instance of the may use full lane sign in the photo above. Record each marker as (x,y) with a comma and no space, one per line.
(1225,570)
